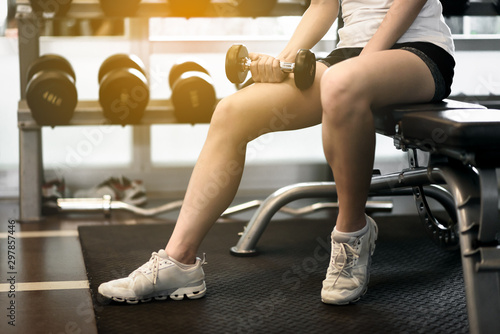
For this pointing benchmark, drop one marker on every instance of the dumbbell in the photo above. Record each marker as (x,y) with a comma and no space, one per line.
(193,92)
(454,7)
(119,8)
(51,7)
(123,89)
(191,8)
(51,92)
(255,7)
(304,68)
(496,4)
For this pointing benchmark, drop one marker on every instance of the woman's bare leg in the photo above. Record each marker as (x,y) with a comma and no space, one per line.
(349,92)
(239,118)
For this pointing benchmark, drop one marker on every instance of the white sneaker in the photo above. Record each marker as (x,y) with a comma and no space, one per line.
(159,278)
(349,270)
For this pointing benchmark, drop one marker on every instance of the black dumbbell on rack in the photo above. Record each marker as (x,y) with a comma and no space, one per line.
(123,89)
(193,92)
(304,68)
(51,93)
(51,7)
(119,8)
(191,8)
(455,7)
(255,8)
(496,4)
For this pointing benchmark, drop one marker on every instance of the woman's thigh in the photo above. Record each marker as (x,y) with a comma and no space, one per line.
(382,78)
(269,107)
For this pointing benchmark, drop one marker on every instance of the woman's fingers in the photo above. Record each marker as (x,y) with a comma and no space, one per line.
(265,68)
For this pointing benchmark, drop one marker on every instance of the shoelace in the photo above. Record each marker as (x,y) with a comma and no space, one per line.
(155,257)
(153,264)
(346,254)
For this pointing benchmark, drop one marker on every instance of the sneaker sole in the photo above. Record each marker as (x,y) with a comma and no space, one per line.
(178,294)
(355,300)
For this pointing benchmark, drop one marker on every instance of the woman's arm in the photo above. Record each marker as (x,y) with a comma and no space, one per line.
(397,20)
(314,24)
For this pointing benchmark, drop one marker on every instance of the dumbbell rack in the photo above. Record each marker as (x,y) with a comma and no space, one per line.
(158,111)
(90,112)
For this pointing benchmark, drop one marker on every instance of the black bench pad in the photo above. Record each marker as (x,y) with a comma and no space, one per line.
(467,133)
(387,118)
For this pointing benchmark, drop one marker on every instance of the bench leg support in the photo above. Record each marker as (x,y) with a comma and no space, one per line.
(384,185)
(480,260)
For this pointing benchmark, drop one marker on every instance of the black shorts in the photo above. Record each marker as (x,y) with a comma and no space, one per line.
(440,63)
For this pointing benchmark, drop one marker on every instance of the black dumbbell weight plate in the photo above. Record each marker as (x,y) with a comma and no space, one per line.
(496,4)
(123,88)
(52,98)
(51,7)
(120,60)
(234,68)
(52,62)
(193,97)
(51,93)
(305,69)
(119,8)
(256,7)
(193,92)
(180,68)
(124,95)
(455,7)
(188,8)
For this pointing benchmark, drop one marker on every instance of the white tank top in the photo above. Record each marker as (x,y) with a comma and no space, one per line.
(363,17)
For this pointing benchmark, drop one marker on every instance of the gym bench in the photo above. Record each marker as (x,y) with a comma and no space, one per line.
(463,144)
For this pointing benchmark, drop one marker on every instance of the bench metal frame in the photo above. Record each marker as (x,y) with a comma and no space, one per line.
(470,199)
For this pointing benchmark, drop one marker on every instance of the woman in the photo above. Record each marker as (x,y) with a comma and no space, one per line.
(390,51)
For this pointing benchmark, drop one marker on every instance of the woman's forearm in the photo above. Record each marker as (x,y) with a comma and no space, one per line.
(315,23)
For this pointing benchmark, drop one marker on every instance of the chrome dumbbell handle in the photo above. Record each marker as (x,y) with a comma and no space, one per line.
(287,67)
(284,66)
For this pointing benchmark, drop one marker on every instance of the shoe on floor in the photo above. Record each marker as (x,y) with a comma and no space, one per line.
(349,270)
(51,192)
(159,278)
(120,189)
(54,189)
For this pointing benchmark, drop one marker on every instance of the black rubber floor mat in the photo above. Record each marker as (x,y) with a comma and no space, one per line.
(415,286)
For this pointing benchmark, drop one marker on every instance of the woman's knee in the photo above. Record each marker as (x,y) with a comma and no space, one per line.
(343,95)
(228,123)
(227,115)
(223,111)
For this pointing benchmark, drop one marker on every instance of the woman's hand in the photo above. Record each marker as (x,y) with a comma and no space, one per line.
(265,68)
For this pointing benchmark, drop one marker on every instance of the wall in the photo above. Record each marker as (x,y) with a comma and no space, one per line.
(85,156)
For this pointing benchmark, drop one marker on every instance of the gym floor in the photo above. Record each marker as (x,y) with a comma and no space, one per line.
(47,256)
(51,292)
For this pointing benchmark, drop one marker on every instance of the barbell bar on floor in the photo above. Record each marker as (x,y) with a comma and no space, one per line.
(106,205)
